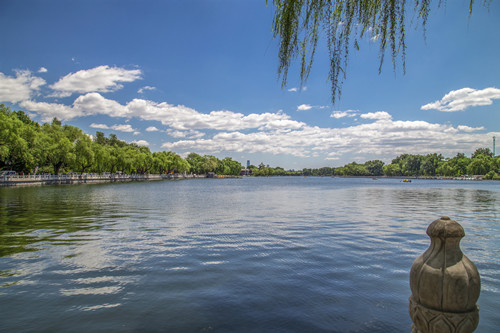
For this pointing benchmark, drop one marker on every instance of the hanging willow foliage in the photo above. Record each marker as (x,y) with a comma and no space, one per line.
(298,24)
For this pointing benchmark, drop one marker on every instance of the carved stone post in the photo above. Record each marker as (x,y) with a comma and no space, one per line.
(445,284)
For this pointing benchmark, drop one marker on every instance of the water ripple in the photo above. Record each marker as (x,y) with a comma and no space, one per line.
(253,255)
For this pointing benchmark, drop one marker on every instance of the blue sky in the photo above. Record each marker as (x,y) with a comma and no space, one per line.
(201,76)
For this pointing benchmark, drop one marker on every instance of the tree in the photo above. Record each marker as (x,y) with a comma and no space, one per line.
(479,165)
(392,170)
(14,149)
(58,147)
(84,154)
(430,163)
(375,167)
(195,161)
(228,166)
(298,25)
(482,151)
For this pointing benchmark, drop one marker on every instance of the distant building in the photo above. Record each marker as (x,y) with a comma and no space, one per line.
(248,163)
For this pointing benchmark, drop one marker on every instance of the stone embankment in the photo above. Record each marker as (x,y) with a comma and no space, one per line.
(49,179)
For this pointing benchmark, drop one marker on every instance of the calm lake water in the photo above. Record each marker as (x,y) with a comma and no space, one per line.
(284,254)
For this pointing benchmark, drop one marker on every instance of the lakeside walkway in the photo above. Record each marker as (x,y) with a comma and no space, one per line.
(49,179)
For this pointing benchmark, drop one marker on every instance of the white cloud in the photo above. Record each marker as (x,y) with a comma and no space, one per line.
(152,129)
(178,117)
(19,88)
(100,126)
(141,143)
(42,70)
(295,89)
(304,107)
(469,129)
(191,134)
(85,105)
(121,128)
(48,111)
(140,91)
(95,103)
(379,115)
(343,114)
(459,100)
(307,107)
(98,79)
(136,133)
(384,138)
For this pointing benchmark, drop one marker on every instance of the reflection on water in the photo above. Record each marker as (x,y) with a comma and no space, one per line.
(273,254)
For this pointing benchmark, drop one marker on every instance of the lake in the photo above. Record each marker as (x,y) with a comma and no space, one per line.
(279,254)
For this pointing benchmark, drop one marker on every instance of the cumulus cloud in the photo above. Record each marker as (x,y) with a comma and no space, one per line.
(141,91)
(47,111)
(19,88)
(178,117)
(98,79)
(343,114)
(141,143)
(121,128)
(379,115)
(181,117)
(99,126)
(307,107)
(459,100)
(42,70)
(383,137)
(293,89)
(469,129)
(304,107)
(152,129)
(191,134)
(95,103)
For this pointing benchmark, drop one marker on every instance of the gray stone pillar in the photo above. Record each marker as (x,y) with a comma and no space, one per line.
(444,283)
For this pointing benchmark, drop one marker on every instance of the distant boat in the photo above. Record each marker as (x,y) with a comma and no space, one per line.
(406,181)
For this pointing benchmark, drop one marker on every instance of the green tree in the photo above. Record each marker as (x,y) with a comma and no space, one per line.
(58,147)
(482,151)
(480,165)
(228,166)
(430,163)
(84,153)
(298,24)
(375,167)
(209,163)
(392,170)
(101,158)
(195,161)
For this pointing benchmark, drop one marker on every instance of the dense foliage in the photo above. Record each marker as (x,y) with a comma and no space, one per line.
(26,146)
(481,162)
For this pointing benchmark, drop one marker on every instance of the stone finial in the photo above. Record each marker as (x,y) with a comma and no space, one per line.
(445,284)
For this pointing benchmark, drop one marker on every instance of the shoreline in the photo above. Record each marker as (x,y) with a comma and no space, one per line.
(41,180)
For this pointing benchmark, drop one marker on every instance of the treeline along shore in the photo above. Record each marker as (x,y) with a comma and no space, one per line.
(481,165)
(29,150)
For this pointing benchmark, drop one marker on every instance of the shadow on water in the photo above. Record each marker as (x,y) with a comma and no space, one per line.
(45,215)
